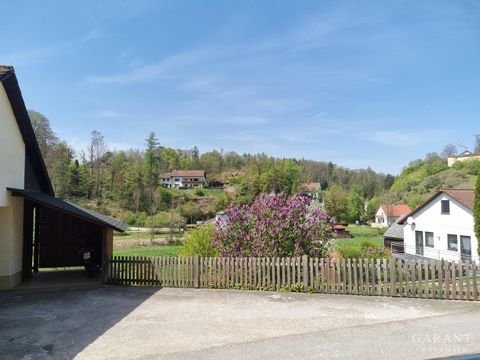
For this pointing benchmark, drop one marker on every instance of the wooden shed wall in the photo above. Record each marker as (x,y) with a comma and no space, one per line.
(62,236)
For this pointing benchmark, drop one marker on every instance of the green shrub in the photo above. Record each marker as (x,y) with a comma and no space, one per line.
(366,250)
(141,219)
(199,242)
(199,192)
(129,218)
(349,251)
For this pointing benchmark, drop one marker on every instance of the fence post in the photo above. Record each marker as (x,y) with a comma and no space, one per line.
(196,272)
(305,272)
(106,269)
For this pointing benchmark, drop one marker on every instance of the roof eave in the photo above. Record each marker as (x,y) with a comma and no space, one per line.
(14,94)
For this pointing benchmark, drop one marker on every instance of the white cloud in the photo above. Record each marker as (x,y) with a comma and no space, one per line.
(402,138)
(167,67)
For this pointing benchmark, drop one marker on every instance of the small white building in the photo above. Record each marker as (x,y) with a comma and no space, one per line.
(442,227)
(182,179)
(387,214)
(464,156)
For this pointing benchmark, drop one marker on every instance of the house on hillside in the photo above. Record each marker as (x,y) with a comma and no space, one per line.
(442,227)
(387,214)
(312,188)
(464,156)
(183,179)
(37,230)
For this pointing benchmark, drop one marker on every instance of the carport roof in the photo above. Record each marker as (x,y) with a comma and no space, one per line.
(69,208)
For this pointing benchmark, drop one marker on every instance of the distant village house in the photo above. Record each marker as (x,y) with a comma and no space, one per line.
(387,214)
(184,179)
(464,156)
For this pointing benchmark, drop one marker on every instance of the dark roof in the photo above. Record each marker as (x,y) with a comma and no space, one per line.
(183,173)
(395,231)
(10,83)
(465,152)
(69,208)
(463,196)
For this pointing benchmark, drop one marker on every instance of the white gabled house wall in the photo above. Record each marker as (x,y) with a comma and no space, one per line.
(458,222)
(12,165)
(381,219)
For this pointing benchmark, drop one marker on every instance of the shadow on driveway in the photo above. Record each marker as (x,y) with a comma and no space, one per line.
(60,323)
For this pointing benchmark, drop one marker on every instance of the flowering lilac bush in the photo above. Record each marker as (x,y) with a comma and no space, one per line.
(274,225)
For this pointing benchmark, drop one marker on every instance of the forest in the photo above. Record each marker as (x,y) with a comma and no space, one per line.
(126,183)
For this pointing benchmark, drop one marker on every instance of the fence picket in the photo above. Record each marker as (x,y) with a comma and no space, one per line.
(467,278)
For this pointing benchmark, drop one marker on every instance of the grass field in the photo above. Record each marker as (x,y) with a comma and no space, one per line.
(134,235)
(360,234)
(163,250)
(363,233)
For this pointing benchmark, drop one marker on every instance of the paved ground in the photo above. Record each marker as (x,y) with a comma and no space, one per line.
(144,323)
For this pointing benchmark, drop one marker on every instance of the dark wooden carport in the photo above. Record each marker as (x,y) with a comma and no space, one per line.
(54,231)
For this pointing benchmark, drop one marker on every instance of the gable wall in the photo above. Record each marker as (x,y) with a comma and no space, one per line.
(12,150)
(459,222)
(12,174)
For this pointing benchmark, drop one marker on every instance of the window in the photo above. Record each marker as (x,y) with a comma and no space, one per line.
(452,242)
(177,179)
(445,207)
(429,239)
(418,242)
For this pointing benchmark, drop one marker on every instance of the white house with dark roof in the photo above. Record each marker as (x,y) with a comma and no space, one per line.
(182,179)
(442,227)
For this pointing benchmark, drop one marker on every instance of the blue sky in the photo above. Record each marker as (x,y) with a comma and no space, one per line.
(359,83)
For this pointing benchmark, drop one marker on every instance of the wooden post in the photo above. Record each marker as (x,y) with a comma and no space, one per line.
(196,270)
(27,240)
(305,272)
(36,241)
(107,251)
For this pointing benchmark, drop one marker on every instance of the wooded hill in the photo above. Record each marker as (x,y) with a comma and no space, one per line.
(422,178)
(126,183)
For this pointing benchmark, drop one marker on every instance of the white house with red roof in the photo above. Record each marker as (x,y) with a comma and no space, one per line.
(442,227)
(183,179)
(387,214)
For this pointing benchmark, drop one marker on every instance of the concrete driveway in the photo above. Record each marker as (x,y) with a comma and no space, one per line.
(146,323)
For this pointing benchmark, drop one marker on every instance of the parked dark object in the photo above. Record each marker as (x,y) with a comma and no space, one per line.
(90,261)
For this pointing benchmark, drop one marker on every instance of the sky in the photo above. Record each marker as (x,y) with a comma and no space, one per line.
(358,83)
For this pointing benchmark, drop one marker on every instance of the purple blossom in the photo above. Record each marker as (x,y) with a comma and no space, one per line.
(274,225)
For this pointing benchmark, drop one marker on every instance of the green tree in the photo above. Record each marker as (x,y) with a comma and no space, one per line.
(152,173)
(46,137)
(96,151)
(60,169)
(336,203)
(372,208)
(199,242)
(356,206)
(79,183)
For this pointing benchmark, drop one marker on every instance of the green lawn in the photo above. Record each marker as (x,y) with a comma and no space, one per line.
(363,233)
(134,235)
(162,250)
